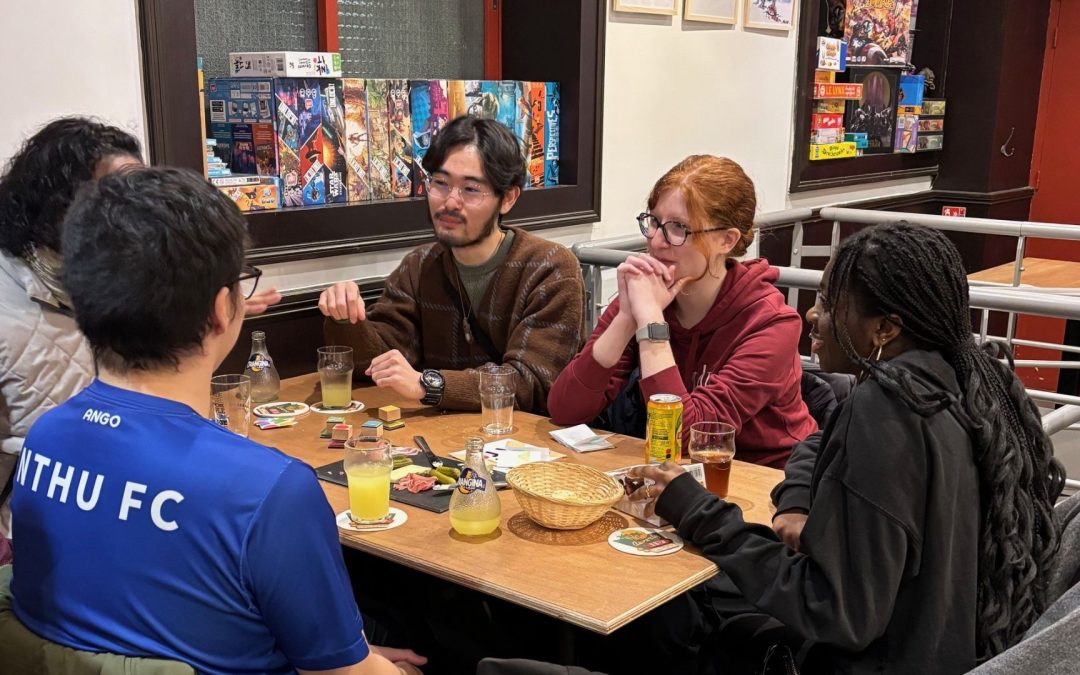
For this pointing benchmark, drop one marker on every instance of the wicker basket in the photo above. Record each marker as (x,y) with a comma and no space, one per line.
(563,496)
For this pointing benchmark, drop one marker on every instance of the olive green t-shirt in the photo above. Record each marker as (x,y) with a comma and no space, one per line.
(477,278)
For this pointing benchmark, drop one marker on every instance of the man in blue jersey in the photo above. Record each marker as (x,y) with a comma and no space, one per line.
(144,528)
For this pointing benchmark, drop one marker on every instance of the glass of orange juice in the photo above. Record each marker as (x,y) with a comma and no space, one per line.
(367,469)
(713,445)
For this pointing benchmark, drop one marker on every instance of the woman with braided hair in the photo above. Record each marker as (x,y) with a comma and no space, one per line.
(929,528)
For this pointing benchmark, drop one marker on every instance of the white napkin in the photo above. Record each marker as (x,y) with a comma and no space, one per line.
(582,439)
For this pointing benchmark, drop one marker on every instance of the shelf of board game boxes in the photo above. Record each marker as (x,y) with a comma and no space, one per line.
(300,143)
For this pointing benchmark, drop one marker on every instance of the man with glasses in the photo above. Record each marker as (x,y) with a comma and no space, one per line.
(482,293)
(144,528)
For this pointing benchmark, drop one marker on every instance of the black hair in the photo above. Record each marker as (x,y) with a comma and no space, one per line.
(42,178)
(916,274)
(500,152)
(145,254)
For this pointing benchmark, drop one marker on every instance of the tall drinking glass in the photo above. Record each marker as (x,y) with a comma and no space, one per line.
(367,469)
(497,387)
(335,375)
(230,402)
(713,445)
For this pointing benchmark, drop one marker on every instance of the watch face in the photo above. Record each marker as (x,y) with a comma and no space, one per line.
(659,331)
(433,378)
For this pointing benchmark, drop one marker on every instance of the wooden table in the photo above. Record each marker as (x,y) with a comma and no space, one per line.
(1041,272)
(574,576)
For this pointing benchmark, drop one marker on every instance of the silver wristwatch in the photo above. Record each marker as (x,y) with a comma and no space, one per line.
(654,332)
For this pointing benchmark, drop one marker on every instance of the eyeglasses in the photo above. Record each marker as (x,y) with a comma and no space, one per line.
(248,280)
(675,233)
(469,194)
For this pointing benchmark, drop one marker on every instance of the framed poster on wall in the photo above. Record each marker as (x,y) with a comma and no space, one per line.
(769,14)
(711,11)
(668,7)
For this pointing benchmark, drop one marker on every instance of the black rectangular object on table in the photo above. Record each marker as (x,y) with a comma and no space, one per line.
(437,501)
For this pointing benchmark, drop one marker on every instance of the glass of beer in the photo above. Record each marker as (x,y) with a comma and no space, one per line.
(335,376)
(230,402)
(497,390)
(367,469)
(712,444)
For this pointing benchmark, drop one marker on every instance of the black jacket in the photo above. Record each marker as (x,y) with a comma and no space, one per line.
(886,577)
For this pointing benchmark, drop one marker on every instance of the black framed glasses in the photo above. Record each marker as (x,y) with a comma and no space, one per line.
(248,280)
(675,233)
(468,194)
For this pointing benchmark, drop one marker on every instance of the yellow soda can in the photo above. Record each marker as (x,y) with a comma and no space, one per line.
(663,430)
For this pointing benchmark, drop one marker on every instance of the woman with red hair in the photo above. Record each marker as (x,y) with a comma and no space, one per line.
(697,323)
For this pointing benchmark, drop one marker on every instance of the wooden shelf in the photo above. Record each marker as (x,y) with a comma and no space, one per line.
(575,60)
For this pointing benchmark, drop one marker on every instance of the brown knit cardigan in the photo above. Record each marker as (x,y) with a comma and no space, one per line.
(533,312)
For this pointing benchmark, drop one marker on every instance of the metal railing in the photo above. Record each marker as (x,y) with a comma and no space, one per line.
(595,257)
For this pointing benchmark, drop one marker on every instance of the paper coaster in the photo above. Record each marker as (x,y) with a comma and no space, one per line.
(646,541)
(396,518)
(355,406)
(282,409)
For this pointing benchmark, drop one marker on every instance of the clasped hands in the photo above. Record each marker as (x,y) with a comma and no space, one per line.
(646,287)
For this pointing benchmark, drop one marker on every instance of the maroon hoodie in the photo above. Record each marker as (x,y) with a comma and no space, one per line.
(739,365)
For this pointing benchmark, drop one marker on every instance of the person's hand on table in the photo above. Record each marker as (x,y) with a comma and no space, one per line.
(406,660)
(258,303)
(391,370)
(659,474)
(342,302)
(789,527)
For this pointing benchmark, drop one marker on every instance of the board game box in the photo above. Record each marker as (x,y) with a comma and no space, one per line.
(356,139)
(288,141)
(309,124)
(878,32)
(875,111)
(379,138)
(401,139)
(333,138)
(430,113)
(551,136)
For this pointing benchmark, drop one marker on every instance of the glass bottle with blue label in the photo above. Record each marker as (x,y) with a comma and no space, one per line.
(474,505)
(265,383)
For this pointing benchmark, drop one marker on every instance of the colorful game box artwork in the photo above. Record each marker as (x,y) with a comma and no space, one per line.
(537,134)
(379,138)
(401,139)
(288,141)
(430,113)
(875,112)
(243,150)
(309,113)
(455,94)
(481,98)
(523,118)
(356,139)
(551,139)
(506,92)
(878,32)
(333,137)
(907,129)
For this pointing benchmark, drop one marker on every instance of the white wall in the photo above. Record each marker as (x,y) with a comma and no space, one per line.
(67,57)
(670,90)
(674,89)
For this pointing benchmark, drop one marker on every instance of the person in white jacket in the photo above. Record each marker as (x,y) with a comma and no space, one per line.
(44,359)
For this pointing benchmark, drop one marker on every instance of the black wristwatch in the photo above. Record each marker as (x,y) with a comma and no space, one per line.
(433,383)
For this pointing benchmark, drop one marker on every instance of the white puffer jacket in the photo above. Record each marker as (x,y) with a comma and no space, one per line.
(44,359)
